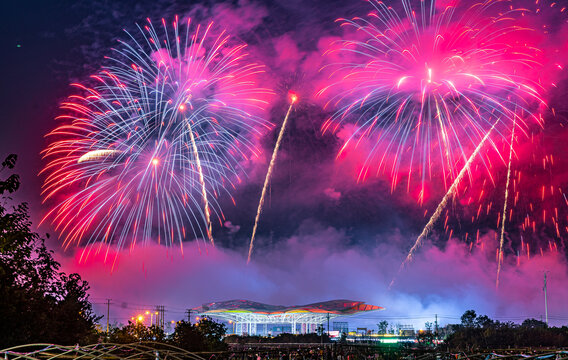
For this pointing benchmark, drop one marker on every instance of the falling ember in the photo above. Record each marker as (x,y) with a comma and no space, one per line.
(502,239)
(202,182)
(293,99)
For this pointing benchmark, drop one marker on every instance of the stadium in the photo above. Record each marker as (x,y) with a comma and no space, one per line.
(253,318)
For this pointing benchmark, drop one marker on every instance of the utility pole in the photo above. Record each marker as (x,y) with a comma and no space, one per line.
(545,300)
(108,315)
(158,313)
(189,316)
(436,324)
(436,327)
(327,324)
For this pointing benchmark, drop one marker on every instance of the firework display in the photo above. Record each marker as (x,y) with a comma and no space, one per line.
(445,98)
(430,90)
(145,151)
(423,84)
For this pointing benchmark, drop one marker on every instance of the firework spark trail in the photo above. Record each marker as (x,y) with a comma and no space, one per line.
(203,189)
(500,257)
(96,155)
(293,99)
(442,205)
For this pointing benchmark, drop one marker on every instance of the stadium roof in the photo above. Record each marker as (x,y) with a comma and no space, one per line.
(338,307)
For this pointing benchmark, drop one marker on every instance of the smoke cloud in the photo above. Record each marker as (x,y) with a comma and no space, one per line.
(318,264)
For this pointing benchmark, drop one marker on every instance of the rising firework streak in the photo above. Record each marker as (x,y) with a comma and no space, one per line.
(449,194)
(293,99)
(202,182)
(504,217)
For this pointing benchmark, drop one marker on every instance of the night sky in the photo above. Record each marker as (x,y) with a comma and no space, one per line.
(324,233)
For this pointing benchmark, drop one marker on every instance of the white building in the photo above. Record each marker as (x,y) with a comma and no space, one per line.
(249,317)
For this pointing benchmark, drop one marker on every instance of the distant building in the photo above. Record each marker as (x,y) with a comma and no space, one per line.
(406,330)
(249,317)
(341,326)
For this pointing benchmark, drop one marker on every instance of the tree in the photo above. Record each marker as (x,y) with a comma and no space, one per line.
(425,337)
(72,317)
(383,326)
(468,318)
(37,302)
(135,332)
(124,335)
(206,335)
(187,337)
(483,321)
(534,324)
(213,333)
(480,332)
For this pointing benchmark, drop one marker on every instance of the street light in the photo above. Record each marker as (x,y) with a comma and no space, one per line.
(152,316)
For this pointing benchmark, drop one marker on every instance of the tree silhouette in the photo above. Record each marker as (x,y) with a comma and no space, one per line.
(206,335)
(37,302)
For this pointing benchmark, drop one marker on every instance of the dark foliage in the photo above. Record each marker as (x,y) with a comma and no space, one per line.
(206,335)
(426,338)
(480,332)
(134,332)
(311,338)
(37,302)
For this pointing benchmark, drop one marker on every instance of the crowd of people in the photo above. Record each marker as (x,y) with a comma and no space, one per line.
(319,352)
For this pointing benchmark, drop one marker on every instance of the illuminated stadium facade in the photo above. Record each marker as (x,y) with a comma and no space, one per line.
(249,317)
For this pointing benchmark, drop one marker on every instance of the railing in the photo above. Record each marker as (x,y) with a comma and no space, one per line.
(267,351)
(106,351)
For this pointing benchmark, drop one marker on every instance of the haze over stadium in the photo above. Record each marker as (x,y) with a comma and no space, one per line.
(337,220)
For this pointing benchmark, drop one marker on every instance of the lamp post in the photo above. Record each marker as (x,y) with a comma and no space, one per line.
(152,316)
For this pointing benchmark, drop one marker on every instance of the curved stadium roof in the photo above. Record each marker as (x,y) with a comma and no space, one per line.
(338,307)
